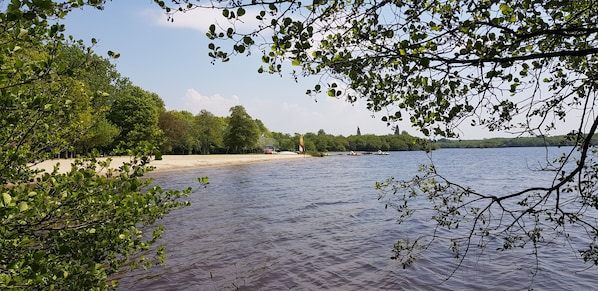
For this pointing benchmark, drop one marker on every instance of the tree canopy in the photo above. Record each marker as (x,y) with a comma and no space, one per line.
(67,230)
(136,113)
(243,132)
(209,129)
(522,67)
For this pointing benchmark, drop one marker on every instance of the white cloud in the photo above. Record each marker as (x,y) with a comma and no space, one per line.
(200,19)
(216,104)
(332,115)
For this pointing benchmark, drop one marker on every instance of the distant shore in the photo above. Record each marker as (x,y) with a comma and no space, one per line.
(173,162)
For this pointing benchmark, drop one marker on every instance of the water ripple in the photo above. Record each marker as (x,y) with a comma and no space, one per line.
(317,224)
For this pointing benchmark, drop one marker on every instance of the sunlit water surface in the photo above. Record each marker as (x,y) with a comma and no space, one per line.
(317,223)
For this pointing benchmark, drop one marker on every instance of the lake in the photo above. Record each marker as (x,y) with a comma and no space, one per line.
(317,224)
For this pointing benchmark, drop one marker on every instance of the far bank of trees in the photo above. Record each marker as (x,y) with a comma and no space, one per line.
(537,141)
(113,116)
(204,133)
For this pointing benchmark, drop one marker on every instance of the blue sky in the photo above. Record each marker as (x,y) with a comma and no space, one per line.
(171,59)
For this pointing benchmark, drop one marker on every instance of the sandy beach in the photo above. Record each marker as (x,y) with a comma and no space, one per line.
(172,162)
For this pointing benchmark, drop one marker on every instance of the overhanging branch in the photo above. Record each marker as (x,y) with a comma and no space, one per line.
(534,56)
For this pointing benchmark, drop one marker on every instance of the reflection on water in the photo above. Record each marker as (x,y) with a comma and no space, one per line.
(317,224)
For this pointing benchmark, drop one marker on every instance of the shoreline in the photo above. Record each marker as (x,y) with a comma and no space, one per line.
(177,162)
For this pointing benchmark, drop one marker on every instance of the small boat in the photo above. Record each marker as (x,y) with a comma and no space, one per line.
(269,150)
(352,153)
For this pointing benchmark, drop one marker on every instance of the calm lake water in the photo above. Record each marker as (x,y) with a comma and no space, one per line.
(317,224)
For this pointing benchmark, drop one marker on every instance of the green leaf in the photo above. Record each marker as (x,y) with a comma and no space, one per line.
(23,206)
(203,180)
(6,198)
(506,9)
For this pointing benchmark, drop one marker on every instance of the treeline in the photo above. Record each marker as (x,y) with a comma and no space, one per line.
(204,133)
(110,114)
(538,141)
(323,142)
(114,116)
(94,107)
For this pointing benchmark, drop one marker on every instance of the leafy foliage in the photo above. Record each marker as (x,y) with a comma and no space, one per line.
(72,230)
(444,63)
(210,130)
(242,132)
(136,113)
(520,67)
(177,128)
(65,231)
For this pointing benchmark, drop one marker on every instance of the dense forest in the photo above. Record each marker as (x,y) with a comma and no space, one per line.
(205,133)
(114,116)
